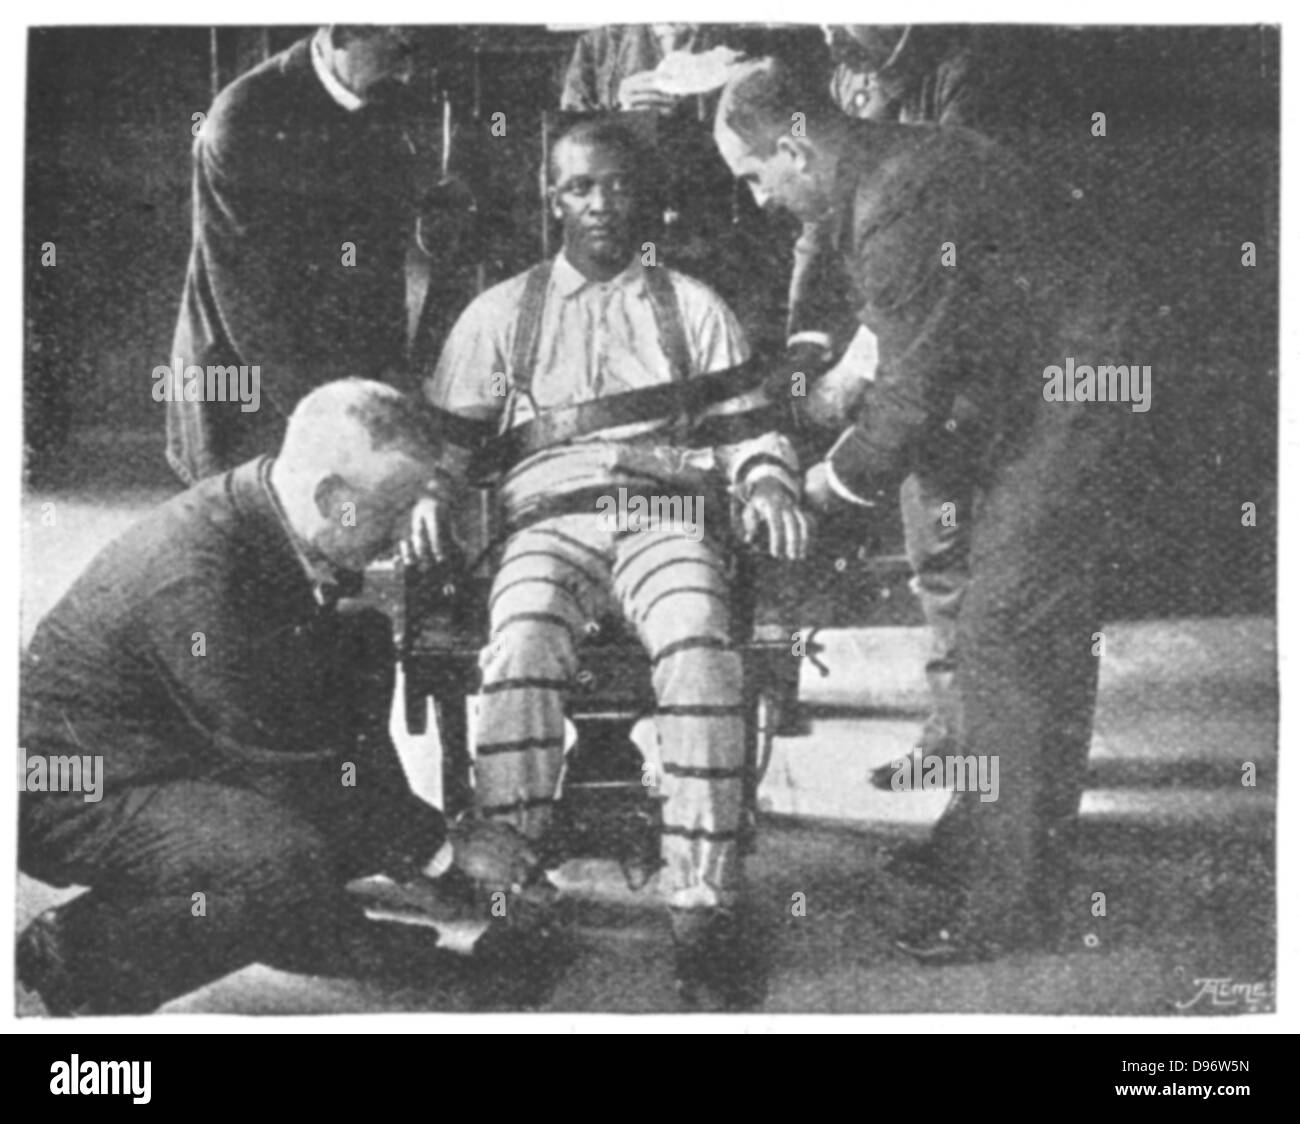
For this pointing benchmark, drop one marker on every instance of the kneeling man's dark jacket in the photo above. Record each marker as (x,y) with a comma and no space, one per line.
(202,644)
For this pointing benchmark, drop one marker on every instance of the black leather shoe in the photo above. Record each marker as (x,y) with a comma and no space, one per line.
(883,777)
(934,741)
(714,962)
(942,944)
(962,941)
(43,966)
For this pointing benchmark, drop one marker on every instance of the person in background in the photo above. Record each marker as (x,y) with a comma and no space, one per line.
(910,74)
(613,67)
(304,204)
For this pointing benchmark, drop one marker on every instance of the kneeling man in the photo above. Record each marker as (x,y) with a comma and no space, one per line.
(235,722)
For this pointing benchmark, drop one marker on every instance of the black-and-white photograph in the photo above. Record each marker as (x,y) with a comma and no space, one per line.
(651,518)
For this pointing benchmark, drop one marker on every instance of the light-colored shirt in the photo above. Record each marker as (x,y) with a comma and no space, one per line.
(596,339)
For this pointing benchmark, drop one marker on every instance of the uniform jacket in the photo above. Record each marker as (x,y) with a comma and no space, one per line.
(962,347)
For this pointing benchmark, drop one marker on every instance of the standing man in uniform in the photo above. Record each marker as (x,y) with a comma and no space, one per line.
(304,204)
(958,393)
(914,76)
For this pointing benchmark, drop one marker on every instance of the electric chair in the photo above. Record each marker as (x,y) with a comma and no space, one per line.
(606,807)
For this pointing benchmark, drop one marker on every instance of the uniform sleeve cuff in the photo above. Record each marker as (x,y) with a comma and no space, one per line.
(836,481)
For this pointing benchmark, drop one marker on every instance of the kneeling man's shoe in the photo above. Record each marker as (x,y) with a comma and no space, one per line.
(453,897)
(44,966)
(714,961)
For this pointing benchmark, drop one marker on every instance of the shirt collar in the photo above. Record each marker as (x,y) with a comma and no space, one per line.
(328,583)
(320,63)
(569,280)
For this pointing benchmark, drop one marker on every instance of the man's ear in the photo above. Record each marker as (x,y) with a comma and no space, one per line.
(329,495)
(798,151)
(553,201)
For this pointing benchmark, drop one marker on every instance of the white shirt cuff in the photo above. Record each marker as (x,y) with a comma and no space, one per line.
(441,862)
(819,339)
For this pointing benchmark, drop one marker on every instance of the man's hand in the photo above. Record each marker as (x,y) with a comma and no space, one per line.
(832,400)
(638,91)
(772,505)
(492,854)
(821,497)
(431,537)
(835,395)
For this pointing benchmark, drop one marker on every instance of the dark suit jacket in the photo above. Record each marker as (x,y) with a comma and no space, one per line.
(962,347)
(196,646)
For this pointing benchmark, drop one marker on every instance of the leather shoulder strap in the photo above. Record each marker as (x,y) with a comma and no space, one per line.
(668,320)
(528,326)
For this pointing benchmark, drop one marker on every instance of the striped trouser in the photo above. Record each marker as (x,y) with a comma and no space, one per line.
(556,576)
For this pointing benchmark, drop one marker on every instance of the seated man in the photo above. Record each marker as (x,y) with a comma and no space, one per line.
(590,323)
(233,723)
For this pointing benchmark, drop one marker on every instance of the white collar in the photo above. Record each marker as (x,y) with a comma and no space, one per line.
(339,92)
(568,279)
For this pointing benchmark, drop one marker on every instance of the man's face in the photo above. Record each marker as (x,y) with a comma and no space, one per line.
(595,198)
(360,523)
(782,179)
(376,65)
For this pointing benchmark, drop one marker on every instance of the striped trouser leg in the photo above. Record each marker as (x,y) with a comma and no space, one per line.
(677,594)
(536,611)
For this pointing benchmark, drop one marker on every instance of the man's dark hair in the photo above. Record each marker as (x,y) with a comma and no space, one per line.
(759,104)
(605,131)
(341,34)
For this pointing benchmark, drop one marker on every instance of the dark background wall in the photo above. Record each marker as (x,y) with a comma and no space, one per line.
(1187,172)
